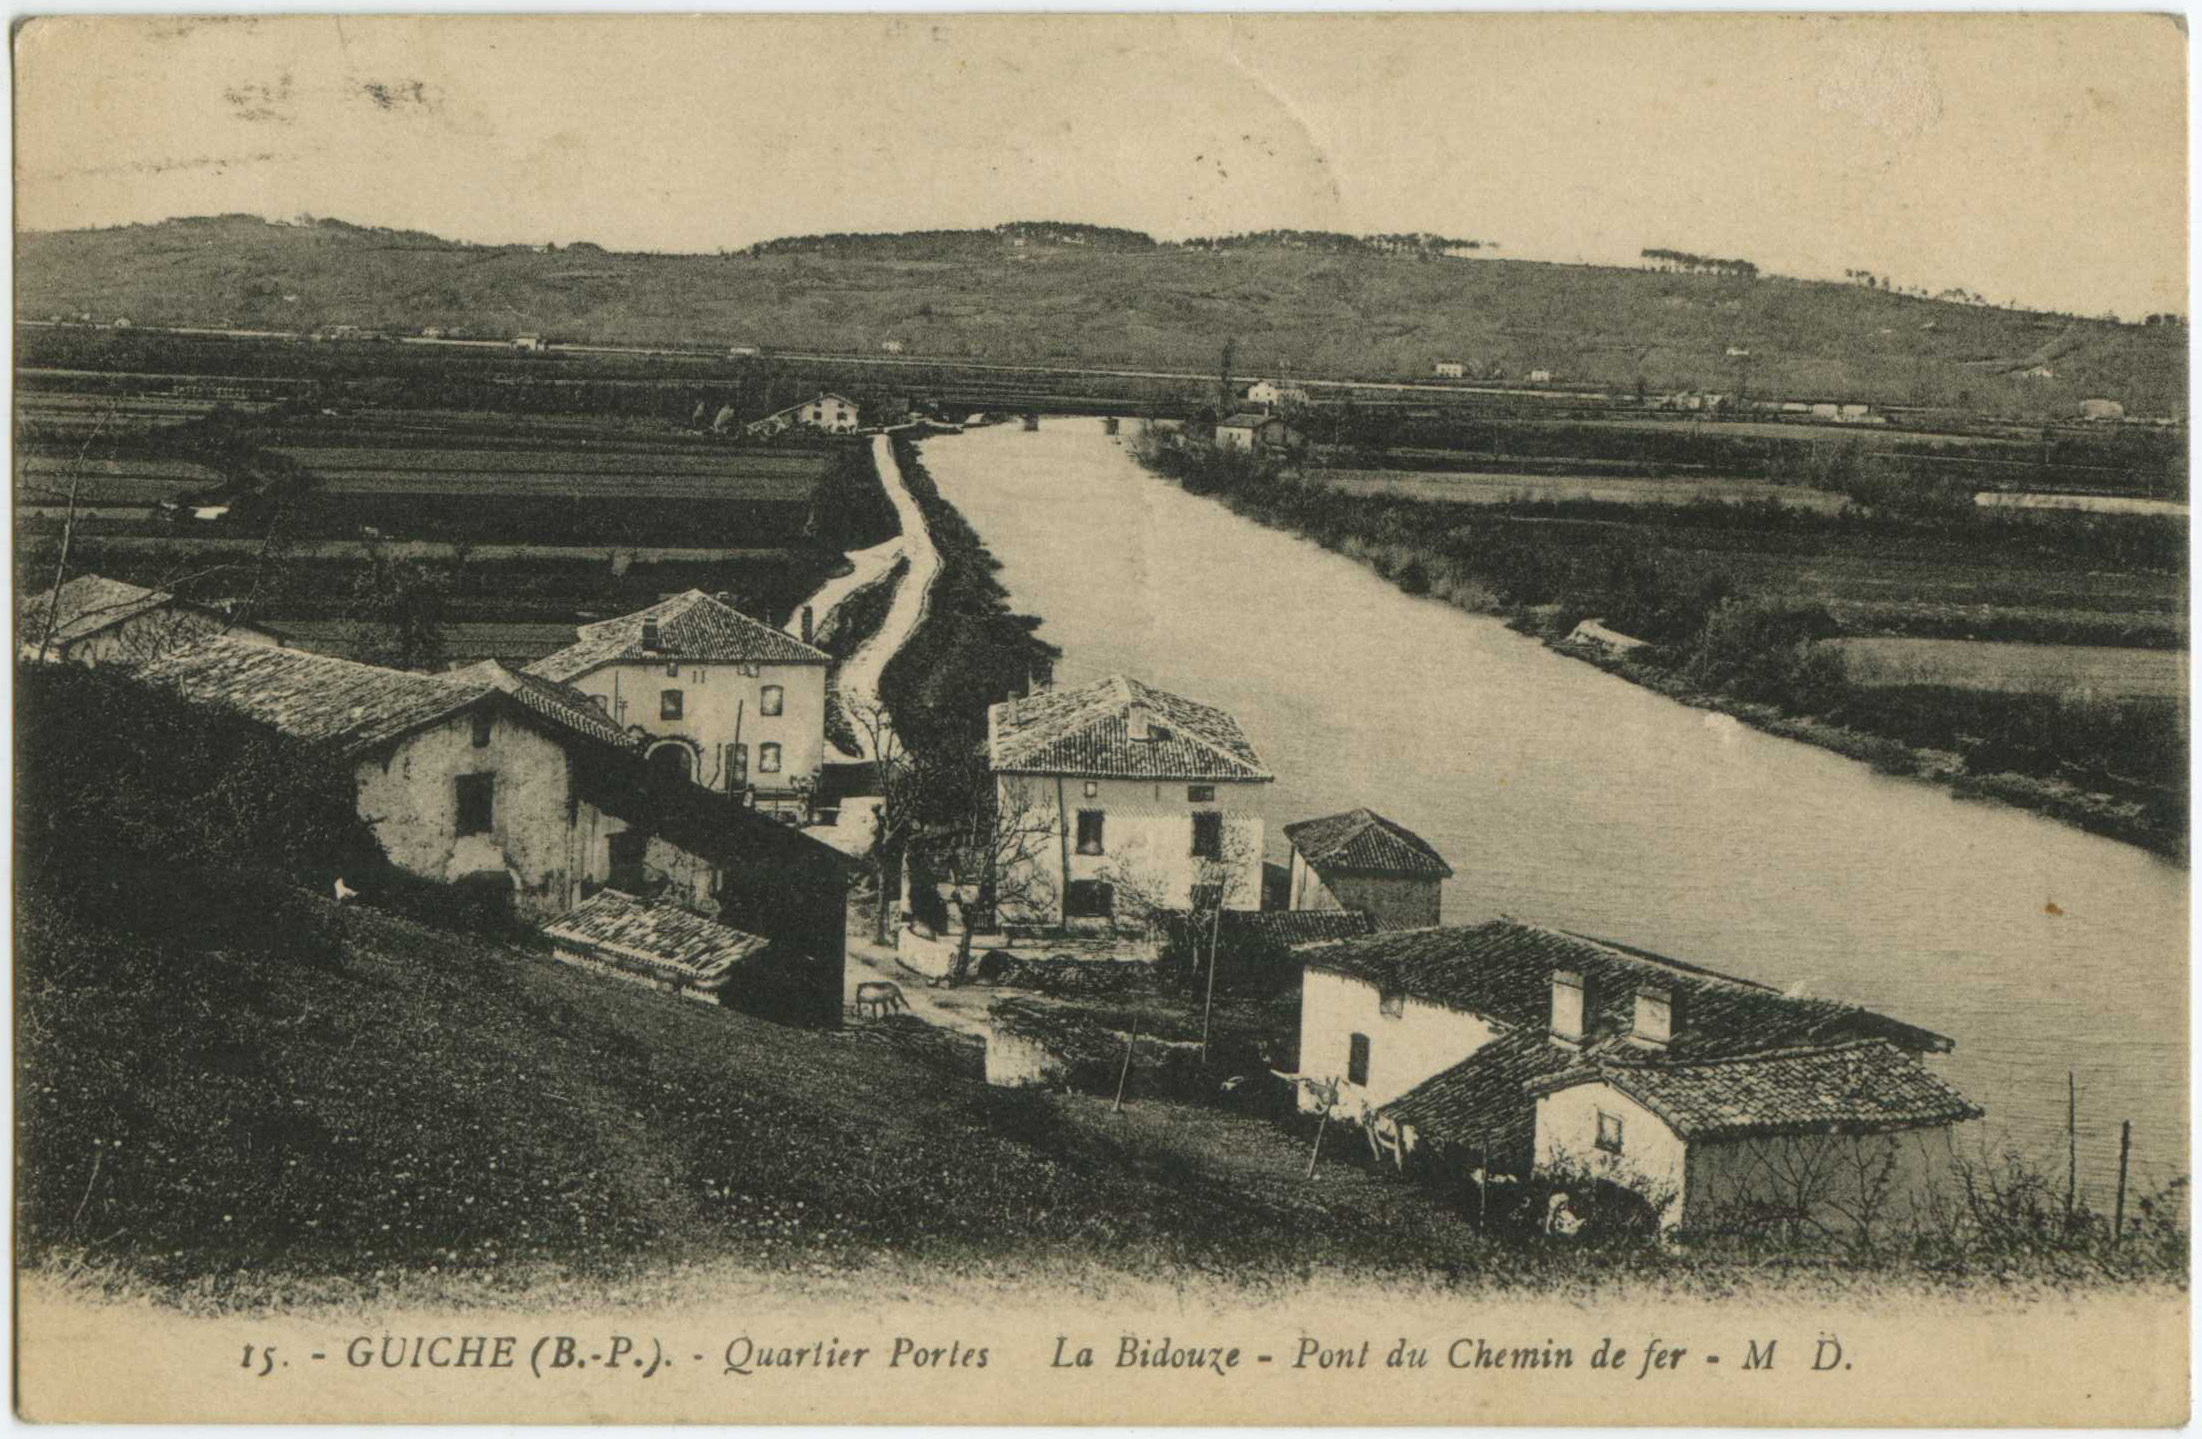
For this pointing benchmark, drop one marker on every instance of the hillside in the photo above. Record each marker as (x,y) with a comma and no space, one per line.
(1051,294)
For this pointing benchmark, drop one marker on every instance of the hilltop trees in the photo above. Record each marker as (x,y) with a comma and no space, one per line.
(1684,262)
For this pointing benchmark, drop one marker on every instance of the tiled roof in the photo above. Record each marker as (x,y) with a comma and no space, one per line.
(692,627)
(1502,971)
(1483,1101)
(89,604)
(1861,1088)
(1244,421)
(1086,732)
(1294,927)
(656,937)
(561,704)
(1361,841)
(348,706)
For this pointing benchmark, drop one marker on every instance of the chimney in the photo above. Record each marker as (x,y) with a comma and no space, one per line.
(806,624)
(1653,1025)
(1568,1005)
(1136,725)
(650,635)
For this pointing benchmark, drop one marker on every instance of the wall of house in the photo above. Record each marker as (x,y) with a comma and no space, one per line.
(1830,1182)
(1395,901)
(1653,1160)
(1404,1049)
(410,795)
(1146,841)
(721,706)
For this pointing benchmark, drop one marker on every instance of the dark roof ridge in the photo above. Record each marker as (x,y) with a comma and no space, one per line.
(1639,1058)
(1634,955)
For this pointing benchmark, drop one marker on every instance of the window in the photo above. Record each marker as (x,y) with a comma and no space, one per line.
(768,759)
(482,724)
(1609,1132)
(1357,1059)
(1200,793)
(477,802)
(672,669)
(1392,1003)
(669,702)
(1208,834)
(602,702)
(1093,789)
(1089,899)
(772,700)
(1089,831)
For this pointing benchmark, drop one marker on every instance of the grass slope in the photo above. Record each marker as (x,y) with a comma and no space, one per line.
(444,1106)
(1322,313)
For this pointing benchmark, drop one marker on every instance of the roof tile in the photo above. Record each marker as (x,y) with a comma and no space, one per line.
(1361,841)
(692,627)
(1086,732)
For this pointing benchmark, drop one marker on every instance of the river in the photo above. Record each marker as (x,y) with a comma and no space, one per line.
(1566,796)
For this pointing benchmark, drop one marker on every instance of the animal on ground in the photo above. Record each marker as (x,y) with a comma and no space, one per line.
(879,996)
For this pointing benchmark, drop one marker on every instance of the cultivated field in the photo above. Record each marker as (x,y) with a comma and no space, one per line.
(47,478)
(1482,489)
(2102,671)
(521,471)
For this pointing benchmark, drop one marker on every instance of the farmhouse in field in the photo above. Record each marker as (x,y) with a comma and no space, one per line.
(1262,392)
(1153,799)
(95,620)
(533,344)
(1450,370)
(715,696)
(2038,372)
(1540,377)
(830,413)
(524,789)
(1509,1048)
(1253,433)
(1360,860)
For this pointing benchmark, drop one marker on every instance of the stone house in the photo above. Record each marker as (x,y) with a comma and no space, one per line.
(1507,1049)
(715,696)
(495,777)
(96,620)
(1360,860)
(1450,370)
(1254,432)
(1154,801)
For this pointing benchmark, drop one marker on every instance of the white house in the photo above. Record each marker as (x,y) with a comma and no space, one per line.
(1360,860)
(1508,1048)
(533,344)
(717,697)
(1450,370)
(95,620)
(1540,377)
(2038,372)
(891,347)
(829,413)
(1252,431)
(1154,800)
(1263,392)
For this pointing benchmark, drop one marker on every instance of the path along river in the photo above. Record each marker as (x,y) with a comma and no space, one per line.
(1563,795)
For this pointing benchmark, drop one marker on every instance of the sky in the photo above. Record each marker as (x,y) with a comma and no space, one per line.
(2036,158)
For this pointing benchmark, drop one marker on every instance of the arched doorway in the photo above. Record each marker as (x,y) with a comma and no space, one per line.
(672,762)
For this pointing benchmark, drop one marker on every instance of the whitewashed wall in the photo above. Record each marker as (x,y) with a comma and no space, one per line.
(1422,1040)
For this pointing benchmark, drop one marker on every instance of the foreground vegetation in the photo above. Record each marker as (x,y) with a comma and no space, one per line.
(1734,600)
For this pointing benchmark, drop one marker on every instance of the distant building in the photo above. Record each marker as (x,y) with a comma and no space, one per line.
(2038,372)
(2102,410)
(1360,860)
(1450,370)
(99,621)
(531,343)
(741,352)
(1262,392)
(1254,432)
(1511,1049)
(830,413)
(432,332)
(1145,791)
(715,696)
(122,322)
(1540,377)
(892,347)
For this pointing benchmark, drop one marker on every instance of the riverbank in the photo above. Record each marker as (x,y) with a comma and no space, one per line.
(1734,601)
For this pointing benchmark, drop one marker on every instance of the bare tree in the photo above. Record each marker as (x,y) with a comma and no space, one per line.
(999,857)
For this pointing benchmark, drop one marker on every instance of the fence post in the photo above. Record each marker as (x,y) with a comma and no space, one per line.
(2125,1152)
(1125,1073)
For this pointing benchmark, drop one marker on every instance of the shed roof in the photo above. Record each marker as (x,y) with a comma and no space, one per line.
(657,937)
(1361,841)
(1502,970)
(1246,420)
(1865,1087)
(1086,732)
(692,627)
(87,605)
(1483,1101)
